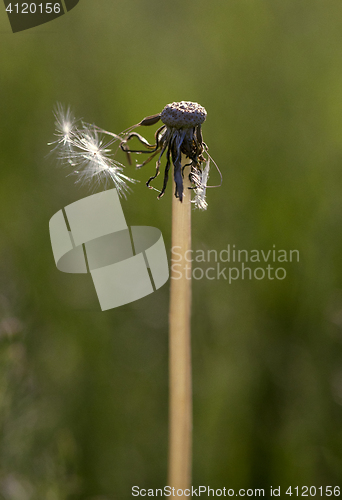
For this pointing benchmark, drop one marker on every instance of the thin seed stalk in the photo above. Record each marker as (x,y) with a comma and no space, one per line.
(180,386)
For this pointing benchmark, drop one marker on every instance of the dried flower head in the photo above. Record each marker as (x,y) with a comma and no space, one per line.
(180,134)
(83,148)
(183,114)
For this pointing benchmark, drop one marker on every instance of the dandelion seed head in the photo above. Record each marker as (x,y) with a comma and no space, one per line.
(180,137)
(85,148)
(184,114)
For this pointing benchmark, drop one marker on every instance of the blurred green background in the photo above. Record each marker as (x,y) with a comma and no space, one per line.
(84,393)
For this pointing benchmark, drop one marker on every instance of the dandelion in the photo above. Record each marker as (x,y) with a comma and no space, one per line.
(180,134)
(84,149)
(180,140)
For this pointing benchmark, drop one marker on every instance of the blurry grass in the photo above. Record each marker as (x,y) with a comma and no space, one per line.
(83,394)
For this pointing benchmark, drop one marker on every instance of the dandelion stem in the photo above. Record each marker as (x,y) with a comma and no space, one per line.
(180,387)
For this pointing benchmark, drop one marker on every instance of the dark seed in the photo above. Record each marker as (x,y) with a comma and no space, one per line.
(150,120)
